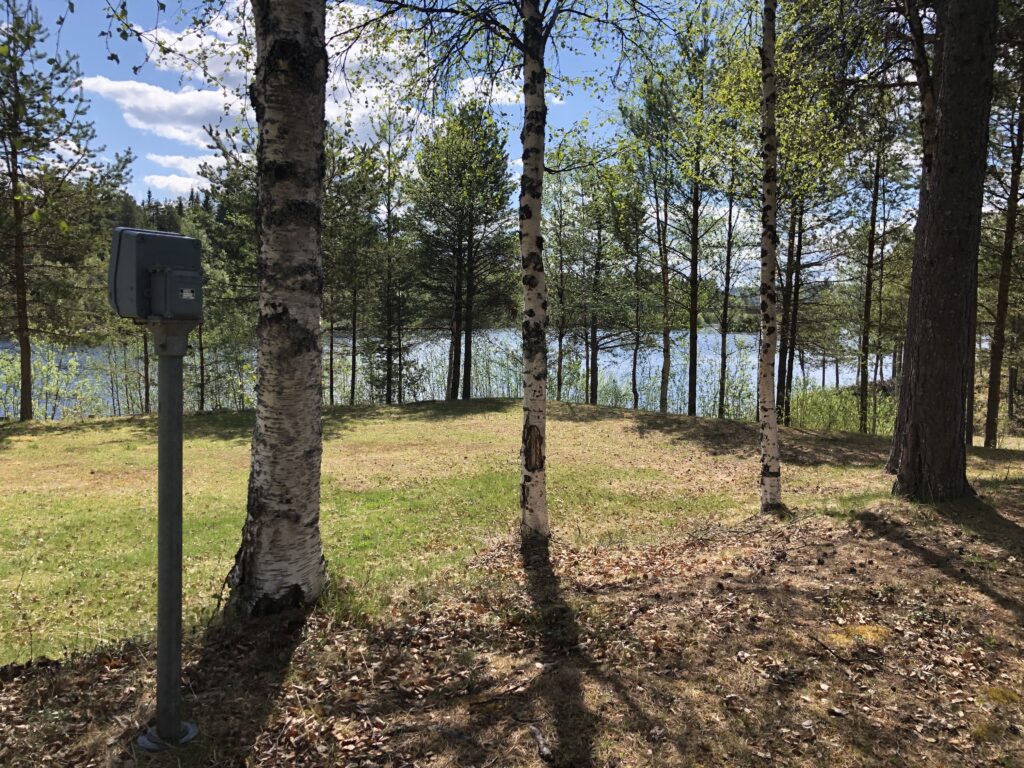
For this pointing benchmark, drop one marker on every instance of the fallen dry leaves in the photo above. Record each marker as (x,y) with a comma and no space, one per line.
(882,640)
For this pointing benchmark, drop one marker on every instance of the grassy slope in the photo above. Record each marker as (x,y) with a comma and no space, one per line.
(670,626)
(407,492)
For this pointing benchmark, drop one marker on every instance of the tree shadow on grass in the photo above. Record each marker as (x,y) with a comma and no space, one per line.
(941,558)
(233,687)
(551,704)
(721,437)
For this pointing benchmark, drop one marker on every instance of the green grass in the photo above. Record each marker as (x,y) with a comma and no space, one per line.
(408,494)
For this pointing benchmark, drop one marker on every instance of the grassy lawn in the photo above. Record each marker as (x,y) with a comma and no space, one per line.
(408,494)
(668,625)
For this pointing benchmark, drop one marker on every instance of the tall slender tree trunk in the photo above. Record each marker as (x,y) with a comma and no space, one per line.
(666,316)
(998,346)
(145,372)
(723,362)
(691,382)
(400,301)
(467,361)
(787,305)
(202,368)
(455,370)
(280,562)
(595,293)
(533,491)
(926,74)
(637,308)
(353,349)
(940,331)
(21,331)
(771,470)
(330,364)
(1011,392)
(869,276)
(389,329)
(794,312)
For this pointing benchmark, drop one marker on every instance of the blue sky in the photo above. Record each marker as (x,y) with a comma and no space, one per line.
(160,112)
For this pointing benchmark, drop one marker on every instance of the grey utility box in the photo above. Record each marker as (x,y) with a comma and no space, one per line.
(155,276)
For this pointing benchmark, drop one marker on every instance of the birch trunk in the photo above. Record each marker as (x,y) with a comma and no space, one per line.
(939,348)
(533,492)
(280,562)
(694,285)
(771,479)
(995,369)
(724,326)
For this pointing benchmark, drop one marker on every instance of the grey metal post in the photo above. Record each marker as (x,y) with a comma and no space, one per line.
(171,344)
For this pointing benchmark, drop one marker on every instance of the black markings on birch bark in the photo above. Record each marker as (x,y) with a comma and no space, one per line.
(533,493)
(280,561)
(770,481)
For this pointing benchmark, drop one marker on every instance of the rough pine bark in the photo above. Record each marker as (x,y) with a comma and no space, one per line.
(533,491)
(926,73)
(768,418)
(280,562)
(998,347)
(869,277)
(939,348)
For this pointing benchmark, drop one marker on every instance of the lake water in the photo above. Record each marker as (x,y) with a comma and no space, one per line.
(102,381)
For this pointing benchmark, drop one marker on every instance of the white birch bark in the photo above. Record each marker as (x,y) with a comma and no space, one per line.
(768,419)
(533,493)
(280,561)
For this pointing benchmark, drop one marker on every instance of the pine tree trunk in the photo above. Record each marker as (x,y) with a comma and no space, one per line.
(1011,393)
(771,474)
(869,274)
(533,492)
(691,382)
(940,331)
(467,361)
(998,346)
(280,562)
(724,326)
(21,300)
(353,351)
(666,306)
(455,369)
(145,372)
(926,76)
(330,364)
(595,293)
(202,369)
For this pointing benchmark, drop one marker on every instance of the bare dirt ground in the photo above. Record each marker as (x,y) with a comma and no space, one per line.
(888,636)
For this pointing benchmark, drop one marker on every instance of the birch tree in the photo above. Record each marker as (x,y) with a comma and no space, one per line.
(492,39)
(280,561)
(768,420)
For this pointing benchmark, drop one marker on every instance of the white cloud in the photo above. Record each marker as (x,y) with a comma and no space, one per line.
(175,184)
(178,115)
(186,165)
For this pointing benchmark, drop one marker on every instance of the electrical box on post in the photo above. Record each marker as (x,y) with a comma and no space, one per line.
(155,276)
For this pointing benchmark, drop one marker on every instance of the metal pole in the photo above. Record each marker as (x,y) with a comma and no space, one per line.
(170,730)
(168,617)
